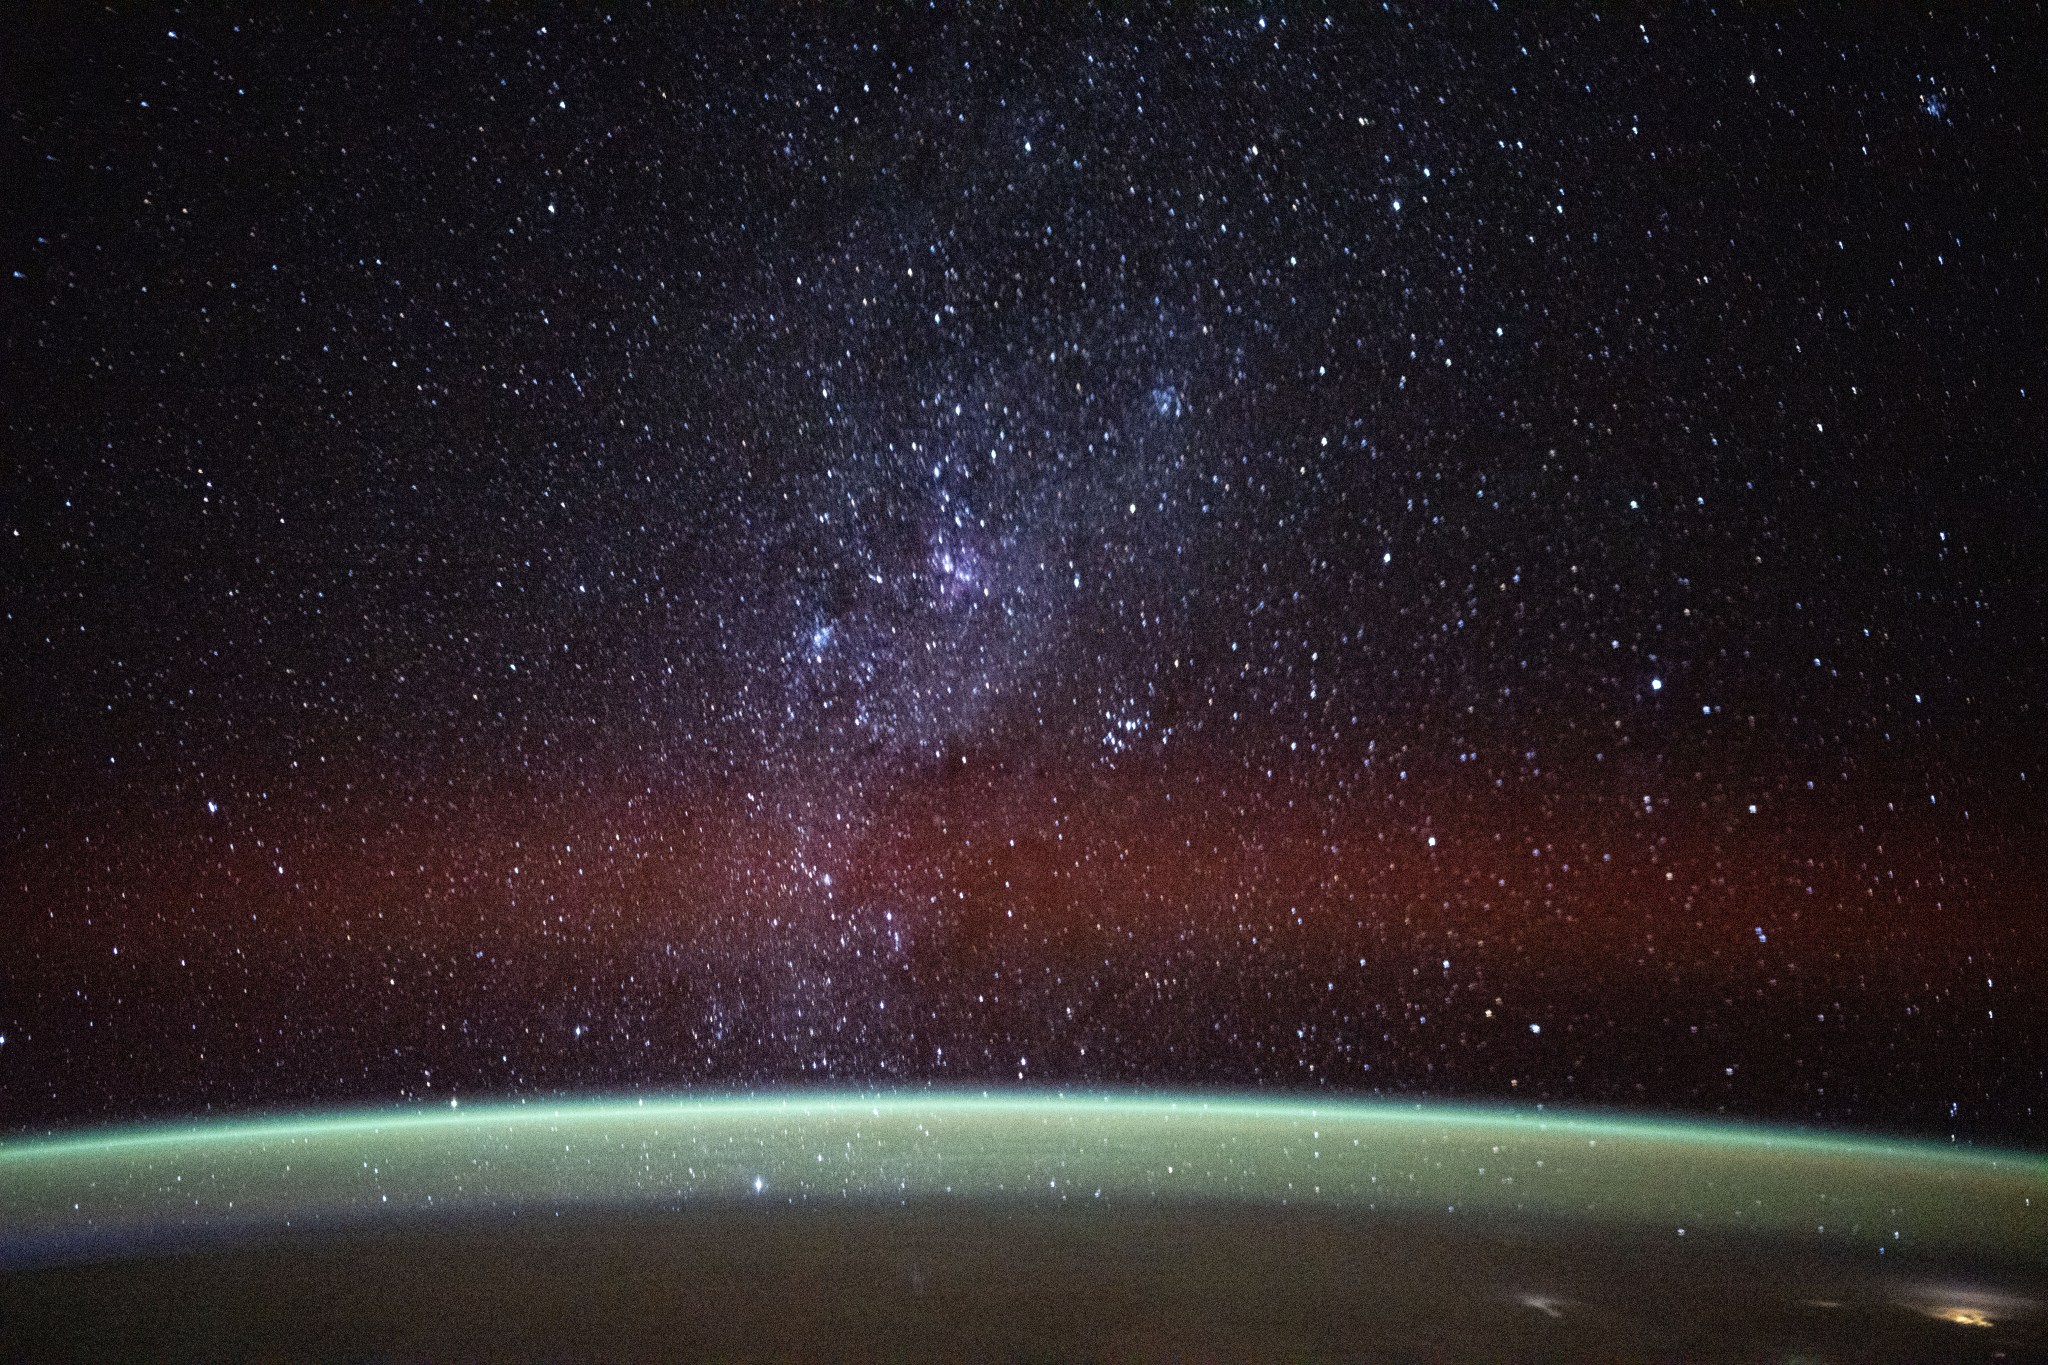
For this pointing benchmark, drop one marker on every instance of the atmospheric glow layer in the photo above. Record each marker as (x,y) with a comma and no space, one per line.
(1372,1157)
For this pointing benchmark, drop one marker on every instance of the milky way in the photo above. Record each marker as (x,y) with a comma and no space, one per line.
(1373,551)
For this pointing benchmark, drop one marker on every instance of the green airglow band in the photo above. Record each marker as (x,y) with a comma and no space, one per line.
(1038,1148)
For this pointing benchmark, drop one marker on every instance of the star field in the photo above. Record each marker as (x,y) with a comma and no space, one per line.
(1380,551)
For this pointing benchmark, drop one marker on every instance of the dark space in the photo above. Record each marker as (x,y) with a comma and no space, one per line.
(1395,551)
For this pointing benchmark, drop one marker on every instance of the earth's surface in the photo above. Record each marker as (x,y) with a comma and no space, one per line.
(1015,1224)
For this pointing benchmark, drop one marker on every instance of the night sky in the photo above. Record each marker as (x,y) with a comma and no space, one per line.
(1416,552)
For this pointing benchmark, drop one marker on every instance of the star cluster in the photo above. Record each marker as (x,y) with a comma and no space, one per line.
(1398,551)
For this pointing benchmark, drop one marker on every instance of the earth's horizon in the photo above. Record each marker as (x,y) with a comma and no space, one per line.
(952,1222)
